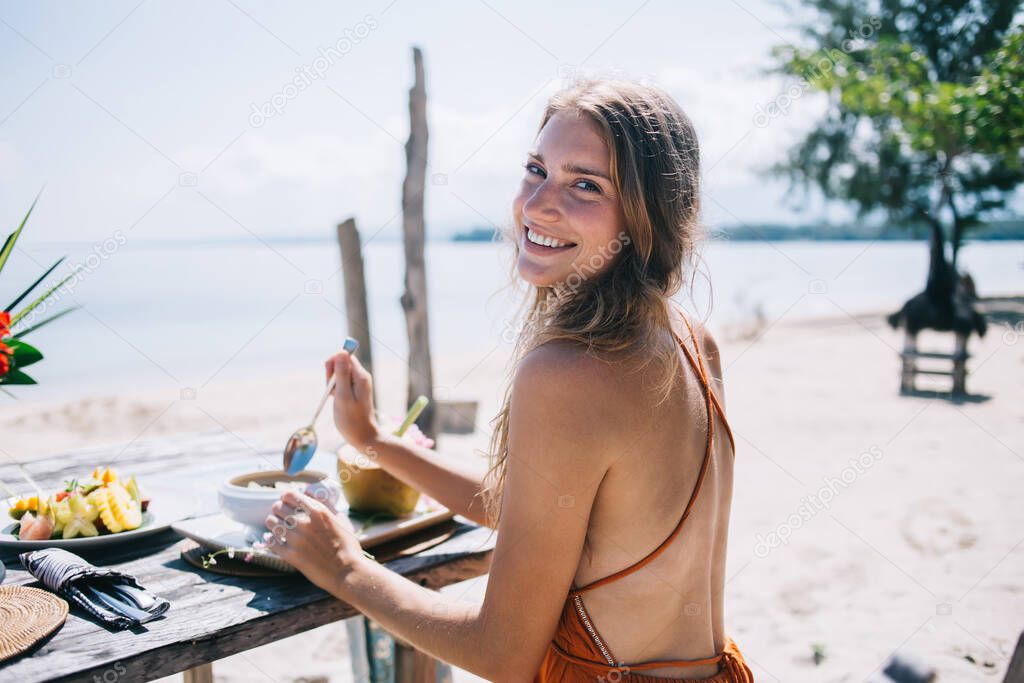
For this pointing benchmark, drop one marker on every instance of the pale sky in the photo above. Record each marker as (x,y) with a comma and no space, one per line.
(139,116)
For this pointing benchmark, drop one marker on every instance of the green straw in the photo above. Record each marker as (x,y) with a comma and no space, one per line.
(30,480)
(414,412)
(6,488)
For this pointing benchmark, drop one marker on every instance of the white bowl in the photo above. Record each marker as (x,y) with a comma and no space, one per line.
(251,506)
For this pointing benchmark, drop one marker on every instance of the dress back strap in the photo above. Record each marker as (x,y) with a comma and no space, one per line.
(709,400)
(702,371)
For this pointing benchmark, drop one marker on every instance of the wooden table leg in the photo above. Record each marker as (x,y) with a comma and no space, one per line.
(200,674)
(413,666)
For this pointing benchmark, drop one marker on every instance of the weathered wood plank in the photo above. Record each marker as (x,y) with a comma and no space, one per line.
(168,454)
(357,313)
(414,298)
(212,615)
(962,355)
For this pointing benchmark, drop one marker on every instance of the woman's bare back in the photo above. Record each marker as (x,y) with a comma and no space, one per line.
(672,608)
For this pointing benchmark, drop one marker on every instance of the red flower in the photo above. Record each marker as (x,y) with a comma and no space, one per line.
(5,350)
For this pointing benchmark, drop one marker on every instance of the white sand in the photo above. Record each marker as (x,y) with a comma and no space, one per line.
(921,549)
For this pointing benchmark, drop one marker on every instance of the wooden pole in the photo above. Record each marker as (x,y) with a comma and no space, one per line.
(356,310)
(414,299)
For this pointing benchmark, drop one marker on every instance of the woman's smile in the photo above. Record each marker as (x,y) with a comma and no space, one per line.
(536,242)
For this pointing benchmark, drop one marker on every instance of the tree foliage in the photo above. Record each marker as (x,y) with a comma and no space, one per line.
(926,109)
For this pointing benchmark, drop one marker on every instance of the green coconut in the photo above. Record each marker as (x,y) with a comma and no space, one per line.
(372,490)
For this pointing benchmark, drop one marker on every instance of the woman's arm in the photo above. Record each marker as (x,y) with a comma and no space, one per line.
(454,482)
(561,444)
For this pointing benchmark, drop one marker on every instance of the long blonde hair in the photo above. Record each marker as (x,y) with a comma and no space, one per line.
(619,313)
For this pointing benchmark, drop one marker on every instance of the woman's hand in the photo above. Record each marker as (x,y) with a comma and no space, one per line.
(353,400)
(318,542)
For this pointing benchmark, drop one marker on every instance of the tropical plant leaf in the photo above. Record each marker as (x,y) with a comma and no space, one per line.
(21,333)
(16,377)
(13,237)
(23,312)
(10,307)
(24,354)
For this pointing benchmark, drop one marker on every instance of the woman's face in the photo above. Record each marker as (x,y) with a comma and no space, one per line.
(568,216)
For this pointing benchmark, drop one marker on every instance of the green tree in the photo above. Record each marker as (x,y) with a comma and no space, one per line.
(925,116)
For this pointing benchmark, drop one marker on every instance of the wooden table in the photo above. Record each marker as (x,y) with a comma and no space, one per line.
(212,615)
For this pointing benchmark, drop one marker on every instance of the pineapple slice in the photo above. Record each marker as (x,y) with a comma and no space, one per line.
(118,510)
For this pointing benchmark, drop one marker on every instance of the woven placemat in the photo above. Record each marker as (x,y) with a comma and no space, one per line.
(27,615)
(193,553)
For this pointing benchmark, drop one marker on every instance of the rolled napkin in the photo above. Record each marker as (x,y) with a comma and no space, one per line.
(115,598)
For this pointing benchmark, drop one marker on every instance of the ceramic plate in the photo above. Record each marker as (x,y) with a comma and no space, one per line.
(151,524)
(217,532)
(153,521)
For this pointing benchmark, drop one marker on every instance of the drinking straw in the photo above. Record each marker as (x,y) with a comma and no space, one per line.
(414,412)
(8,489)
(30,480)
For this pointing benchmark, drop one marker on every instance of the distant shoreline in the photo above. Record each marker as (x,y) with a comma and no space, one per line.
(1009,230)
(719,236)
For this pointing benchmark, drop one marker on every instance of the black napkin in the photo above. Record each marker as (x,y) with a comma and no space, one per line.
(113,597)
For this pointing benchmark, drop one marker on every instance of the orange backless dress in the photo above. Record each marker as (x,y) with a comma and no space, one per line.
(579,653)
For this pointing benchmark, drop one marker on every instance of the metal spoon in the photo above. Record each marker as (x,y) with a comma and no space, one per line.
(118,606)
(302,444)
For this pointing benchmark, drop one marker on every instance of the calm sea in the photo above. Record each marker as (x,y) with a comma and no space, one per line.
(173,315)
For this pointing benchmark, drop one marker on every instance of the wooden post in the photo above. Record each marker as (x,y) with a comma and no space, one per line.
(356,310)
(414,299)
(908,364)
(411,665)
(1015,671)
(960,366)
(199,674)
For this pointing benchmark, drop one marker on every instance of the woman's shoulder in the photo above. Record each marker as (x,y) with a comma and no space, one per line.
(709,349)
(565,378)
(568,365)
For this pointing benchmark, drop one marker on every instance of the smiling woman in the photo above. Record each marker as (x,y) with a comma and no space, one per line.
(605,446)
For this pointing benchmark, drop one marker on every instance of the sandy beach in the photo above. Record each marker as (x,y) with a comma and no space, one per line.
(864,522)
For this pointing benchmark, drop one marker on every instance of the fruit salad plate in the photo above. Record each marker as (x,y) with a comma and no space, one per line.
(151,524)
(95,510)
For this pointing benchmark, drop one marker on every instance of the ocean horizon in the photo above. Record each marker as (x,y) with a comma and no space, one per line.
(179,315)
